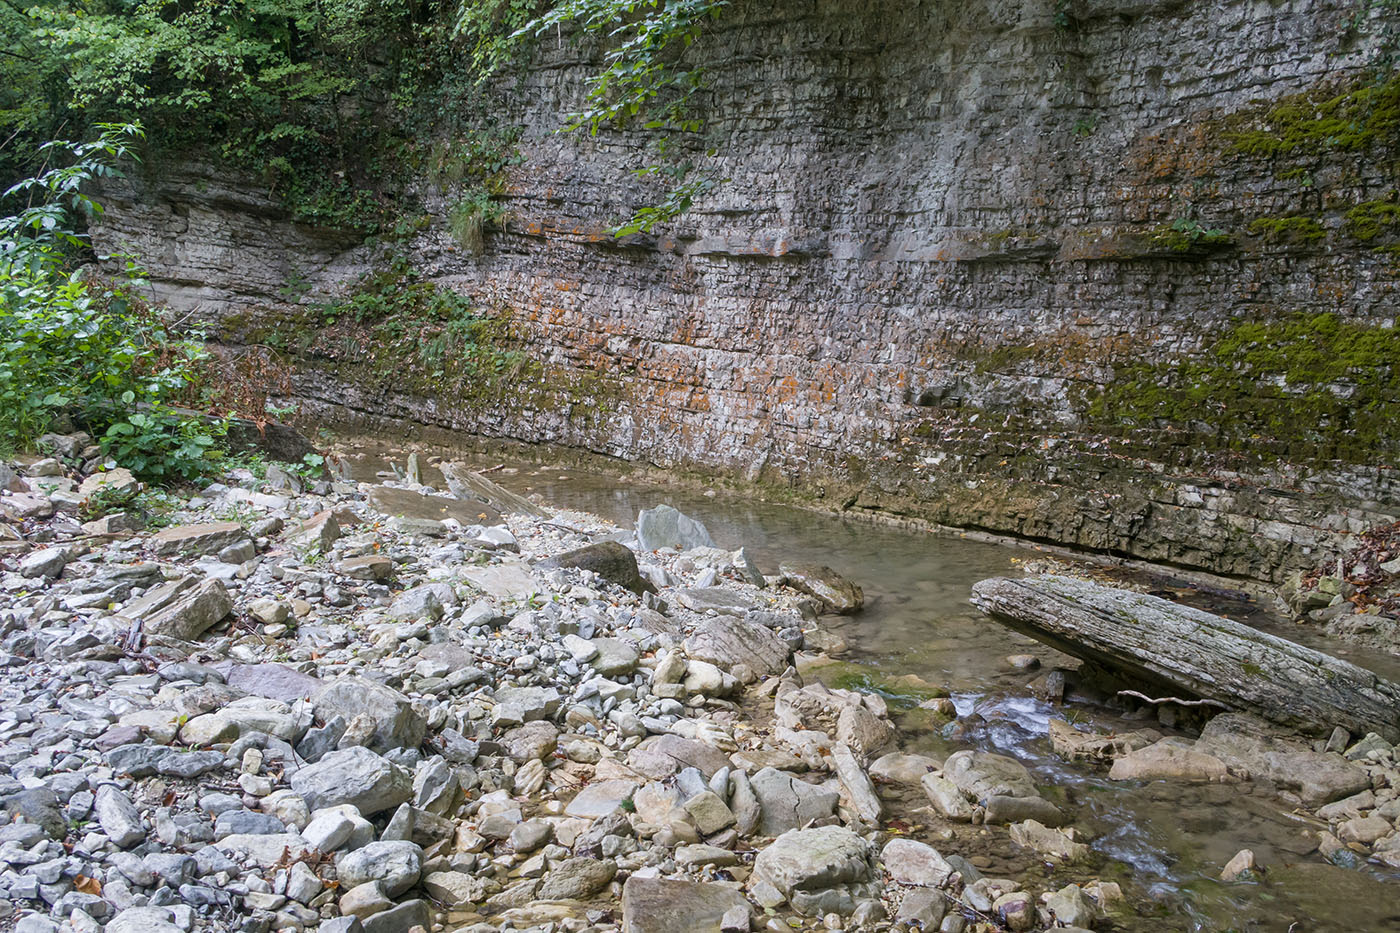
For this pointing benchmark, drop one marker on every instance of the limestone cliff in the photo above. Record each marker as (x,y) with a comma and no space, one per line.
(944,231)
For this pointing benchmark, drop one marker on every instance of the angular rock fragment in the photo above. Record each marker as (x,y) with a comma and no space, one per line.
(610,560)
(667,527)
(833,591)
(356,776)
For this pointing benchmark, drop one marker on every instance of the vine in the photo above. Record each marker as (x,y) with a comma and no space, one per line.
(646,80)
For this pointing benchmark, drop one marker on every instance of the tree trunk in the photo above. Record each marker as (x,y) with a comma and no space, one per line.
(1187,651)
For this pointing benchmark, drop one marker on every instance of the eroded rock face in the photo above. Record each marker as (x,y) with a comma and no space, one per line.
(790,265)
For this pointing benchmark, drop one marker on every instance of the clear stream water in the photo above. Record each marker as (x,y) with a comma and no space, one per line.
(1164,843)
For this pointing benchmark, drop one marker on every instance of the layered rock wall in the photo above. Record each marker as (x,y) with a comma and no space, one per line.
(942,228)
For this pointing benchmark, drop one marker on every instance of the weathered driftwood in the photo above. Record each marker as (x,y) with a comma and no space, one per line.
(464,484)
(1186,650)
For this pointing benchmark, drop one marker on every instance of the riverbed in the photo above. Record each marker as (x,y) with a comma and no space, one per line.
(1164,843)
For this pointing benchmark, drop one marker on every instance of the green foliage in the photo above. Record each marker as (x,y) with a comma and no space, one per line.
(1186,235)
(645,76)
(328,99)
(491,29)
(469,218)
(420,330)
(1063,15)
(161,444)
(675,202)
(320,97)
(75,347)
(1288,229)
(1306,385)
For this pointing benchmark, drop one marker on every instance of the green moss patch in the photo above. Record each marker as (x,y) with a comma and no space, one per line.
(1371,220)
(1288,229)
(1302,386)
(1321,120)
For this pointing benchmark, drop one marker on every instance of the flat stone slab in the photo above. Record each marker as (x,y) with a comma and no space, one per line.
(197,539)
(658,905)
(713,599)
(510,580)
(393,502)
(600,799)
(271,681)
(266,850)
(471,487)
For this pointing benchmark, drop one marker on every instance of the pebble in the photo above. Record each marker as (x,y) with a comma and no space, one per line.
(535,741)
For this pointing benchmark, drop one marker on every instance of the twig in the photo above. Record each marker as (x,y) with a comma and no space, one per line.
(1177,700)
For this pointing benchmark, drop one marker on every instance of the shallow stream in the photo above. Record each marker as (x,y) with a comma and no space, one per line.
(1164,843)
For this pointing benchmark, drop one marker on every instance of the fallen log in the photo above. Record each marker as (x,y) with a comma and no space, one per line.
(1185,650)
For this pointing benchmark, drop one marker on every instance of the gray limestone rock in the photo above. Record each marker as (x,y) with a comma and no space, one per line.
(727,642)
(271,681)
(38,806)
(518,705)
(831,589)
(143,920)
(610,560)
(658,905)
(428,601)
(196,539)
(1018,809)
(1245,741)
(660,756)
(810,860)
(246,821)
(118,817)
(183,609)
(665,526)
(355,776)
(396,866)
(47,563)
(715,599)
(911,862)
(537,739)
(788,803)
(982,774)
(405,916)
(577,878)
(615,657)
(397,724)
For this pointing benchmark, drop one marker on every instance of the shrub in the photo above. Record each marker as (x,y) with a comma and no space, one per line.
(84,350)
